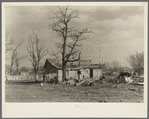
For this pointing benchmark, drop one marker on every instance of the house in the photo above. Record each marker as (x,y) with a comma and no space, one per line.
(84,69)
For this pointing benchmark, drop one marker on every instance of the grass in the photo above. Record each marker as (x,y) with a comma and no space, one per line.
(33,92)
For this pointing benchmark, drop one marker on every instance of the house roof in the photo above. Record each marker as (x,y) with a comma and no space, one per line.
(54,63)
(84,62)
(57,65)
(92,66)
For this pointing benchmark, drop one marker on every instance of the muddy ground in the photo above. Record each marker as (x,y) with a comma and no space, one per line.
(100,93)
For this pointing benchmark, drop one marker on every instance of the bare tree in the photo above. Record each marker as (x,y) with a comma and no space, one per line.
(15,58)
(110,67)
(136,61)
(18,59)
(56,54)
(70,37)
(36,52)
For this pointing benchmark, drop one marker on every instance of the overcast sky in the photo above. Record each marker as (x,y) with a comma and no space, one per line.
(119,30)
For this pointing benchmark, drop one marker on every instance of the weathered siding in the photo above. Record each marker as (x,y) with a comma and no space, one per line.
(49,69)
(60,75)
(85,73)
(71,74)
(97,73)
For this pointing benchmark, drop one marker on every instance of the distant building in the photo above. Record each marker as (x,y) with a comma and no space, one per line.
(24,73)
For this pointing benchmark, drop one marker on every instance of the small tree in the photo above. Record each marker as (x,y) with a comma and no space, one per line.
(70,37)
(115,66)
(136,61)
(111,67)
(36,52)
(15,58)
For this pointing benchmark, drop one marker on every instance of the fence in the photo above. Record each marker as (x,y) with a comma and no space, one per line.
(20,78)
(39,77)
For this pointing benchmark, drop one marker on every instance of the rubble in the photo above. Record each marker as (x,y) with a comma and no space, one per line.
(128,80)
(131,89)
(75,82)
(123,78)
(115,86)
(78,84)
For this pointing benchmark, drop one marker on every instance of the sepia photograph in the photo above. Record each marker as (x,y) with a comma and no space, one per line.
(75,53)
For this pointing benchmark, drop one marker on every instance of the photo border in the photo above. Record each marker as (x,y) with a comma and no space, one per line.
(55,106)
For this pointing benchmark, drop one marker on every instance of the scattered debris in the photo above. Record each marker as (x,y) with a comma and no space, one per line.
(131,89)
(64,83)
(128,79)
(124,77)
(141,84)
(41,84)
(77,84)
(115,86)
(124,74)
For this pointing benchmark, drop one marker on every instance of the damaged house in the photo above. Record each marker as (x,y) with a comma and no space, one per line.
(79,70)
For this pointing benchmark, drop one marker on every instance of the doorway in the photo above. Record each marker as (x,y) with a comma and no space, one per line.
(91,73)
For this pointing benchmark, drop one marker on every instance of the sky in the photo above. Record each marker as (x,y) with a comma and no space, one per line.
(118,30)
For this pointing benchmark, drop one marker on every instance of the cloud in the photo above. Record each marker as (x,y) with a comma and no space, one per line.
(82,19)
(131,21)
(118,30)
(113,12)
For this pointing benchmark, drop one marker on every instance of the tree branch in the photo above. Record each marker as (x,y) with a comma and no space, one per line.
(74,59)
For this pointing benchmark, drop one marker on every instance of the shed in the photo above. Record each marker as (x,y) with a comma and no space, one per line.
(53,69)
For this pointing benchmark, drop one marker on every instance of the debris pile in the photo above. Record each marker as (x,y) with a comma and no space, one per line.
(123,77)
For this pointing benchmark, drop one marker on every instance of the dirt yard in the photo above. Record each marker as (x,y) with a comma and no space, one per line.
(33,92)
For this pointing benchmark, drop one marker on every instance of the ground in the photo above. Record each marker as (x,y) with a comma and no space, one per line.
(33,92)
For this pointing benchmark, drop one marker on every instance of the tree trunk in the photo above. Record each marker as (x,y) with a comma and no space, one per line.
(35,76)
(64,74)
(63,62)
(17,67)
